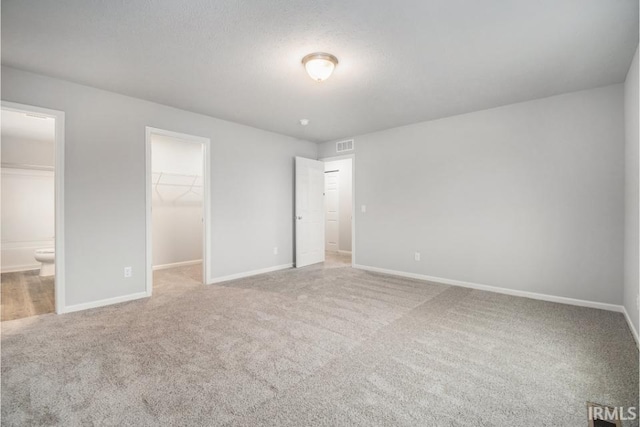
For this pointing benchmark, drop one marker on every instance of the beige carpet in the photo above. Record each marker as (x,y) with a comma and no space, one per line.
(317,346)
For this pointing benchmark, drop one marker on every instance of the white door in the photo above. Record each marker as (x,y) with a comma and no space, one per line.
(331,214)
(309,211)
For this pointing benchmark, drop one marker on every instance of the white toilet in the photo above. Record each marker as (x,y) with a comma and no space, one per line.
(47,257)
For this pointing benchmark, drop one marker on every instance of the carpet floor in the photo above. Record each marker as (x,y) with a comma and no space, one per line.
(317,346)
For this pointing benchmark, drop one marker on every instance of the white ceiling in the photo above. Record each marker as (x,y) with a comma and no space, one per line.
(23,127)
(401,62)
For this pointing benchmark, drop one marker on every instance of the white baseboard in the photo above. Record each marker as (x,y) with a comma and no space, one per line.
(513,292)
(634,332)
(250,273)
(17,268)
(104,302)
(177,264)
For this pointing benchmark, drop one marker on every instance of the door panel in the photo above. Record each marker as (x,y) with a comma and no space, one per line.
(309,211)
(331,206)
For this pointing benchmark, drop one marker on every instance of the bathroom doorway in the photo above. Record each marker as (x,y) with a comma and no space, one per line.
(338,215)
(32,254)
(177,209)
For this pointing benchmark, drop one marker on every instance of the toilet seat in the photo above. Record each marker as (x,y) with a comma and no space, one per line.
(46,256)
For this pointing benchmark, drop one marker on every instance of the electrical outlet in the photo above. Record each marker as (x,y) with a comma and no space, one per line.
(363,208)
(128,272)
(416,256)
(275,250)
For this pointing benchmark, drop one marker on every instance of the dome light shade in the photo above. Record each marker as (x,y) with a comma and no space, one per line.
(319,65)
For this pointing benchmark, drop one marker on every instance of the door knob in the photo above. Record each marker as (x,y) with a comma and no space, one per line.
(299,217)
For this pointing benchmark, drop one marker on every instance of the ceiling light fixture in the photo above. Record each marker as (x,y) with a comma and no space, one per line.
(319,65)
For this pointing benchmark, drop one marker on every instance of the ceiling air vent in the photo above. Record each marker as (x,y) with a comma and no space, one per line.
(344,145)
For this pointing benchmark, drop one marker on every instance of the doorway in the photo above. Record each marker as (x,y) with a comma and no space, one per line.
(177,208)
(324,206)
(32,169)
(338,215)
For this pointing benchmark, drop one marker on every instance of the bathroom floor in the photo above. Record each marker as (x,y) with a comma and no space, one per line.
(26,294)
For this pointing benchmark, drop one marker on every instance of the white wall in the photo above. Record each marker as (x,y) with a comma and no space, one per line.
(345,203)
(631,243)
(177,210)
(527,197)
(252,185)
(17,150)
(27,139)
(27,217)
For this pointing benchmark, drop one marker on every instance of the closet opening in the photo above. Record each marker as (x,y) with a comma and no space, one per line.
(338,211)
(177,209)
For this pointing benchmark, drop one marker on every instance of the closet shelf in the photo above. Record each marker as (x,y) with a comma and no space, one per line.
(176,179)
(190,182)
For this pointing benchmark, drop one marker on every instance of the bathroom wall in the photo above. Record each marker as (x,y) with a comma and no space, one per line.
(177,206)
(27,139)
(27,198)
(27,217)
(27,151)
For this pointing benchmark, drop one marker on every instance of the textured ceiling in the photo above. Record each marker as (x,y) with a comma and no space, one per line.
(401,62)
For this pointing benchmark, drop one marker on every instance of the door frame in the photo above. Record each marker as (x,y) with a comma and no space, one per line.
(58,177)
(353,198)
(206,202)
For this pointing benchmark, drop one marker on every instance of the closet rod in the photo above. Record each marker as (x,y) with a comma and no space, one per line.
(179,185)
(175,174)
(26,166)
